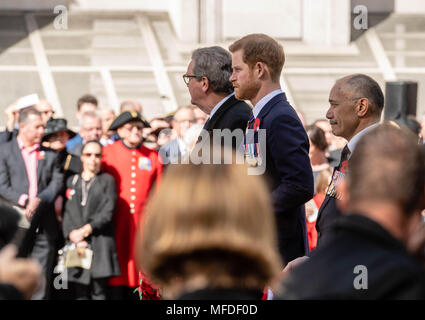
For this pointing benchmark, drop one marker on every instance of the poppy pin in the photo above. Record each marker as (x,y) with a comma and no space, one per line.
(256,124)
(40,155)
(69,193)
(344,166)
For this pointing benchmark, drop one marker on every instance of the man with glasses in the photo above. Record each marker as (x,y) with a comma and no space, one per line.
(207,79)
(135,169)
(173,151)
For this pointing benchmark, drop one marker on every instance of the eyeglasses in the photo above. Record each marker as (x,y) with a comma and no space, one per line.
(88,155)
(187,77)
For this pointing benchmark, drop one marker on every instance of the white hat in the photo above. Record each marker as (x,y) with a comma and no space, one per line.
(27,101)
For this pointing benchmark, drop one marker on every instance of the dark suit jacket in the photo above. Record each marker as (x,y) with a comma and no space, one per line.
(355,240)
(328,213)
(98,212)
(9,292)
(6,135)
(233,114)
(14,182)
(232,293)
(289,174)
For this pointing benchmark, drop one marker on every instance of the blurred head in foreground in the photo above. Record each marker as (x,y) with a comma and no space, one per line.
(209,226)
(386,179)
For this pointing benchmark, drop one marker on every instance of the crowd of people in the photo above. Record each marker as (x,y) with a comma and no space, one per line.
(119,206)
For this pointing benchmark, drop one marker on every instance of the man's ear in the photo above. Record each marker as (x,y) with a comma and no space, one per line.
(261,69)
(342,189)
(363,106)
(205,84)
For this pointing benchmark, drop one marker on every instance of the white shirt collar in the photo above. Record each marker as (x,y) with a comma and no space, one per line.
(354,140)
(182,146)
(218,105)
(260,104)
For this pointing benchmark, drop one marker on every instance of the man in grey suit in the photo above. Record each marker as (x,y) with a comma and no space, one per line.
(30,179)
(176,149)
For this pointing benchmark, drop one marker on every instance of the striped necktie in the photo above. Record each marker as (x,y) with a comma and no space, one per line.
(250,122)
(343,164)
(345,154)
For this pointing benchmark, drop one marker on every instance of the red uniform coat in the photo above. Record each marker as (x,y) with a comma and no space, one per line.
(135,171)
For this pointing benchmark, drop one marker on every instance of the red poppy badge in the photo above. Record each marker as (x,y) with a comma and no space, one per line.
(69,193)
(40,155)
(256,124)
(344,166)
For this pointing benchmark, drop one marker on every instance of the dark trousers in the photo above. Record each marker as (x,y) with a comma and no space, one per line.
(96,290)
(44,252)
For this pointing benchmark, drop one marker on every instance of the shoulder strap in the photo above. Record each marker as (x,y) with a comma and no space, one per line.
(74,179)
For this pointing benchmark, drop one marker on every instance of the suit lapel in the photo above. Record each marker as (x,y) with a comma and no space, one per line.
(20,162)
(322,207)
(269,105)
(219,113)
(327,198)
(40,166)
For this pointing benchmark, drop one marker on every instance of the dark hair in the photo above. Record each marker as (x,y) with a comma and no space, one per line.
(87,98)
(317,137)
(91,141)
(261,48)
(365,87)
(388,165)
(25,113)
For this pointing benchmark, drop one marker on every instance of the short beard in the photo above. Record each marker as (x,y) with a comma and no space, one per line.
(249,91)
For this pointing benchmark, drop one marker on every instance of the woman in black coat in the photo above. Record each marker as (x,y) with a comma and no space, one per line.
(87,223)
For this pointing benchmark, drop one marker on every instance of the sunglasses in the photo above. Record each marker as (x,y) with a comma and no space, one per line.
(97,155)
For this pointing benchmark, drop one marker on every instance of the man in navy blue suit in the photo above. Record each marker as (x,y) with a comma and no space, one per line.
(257,62)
